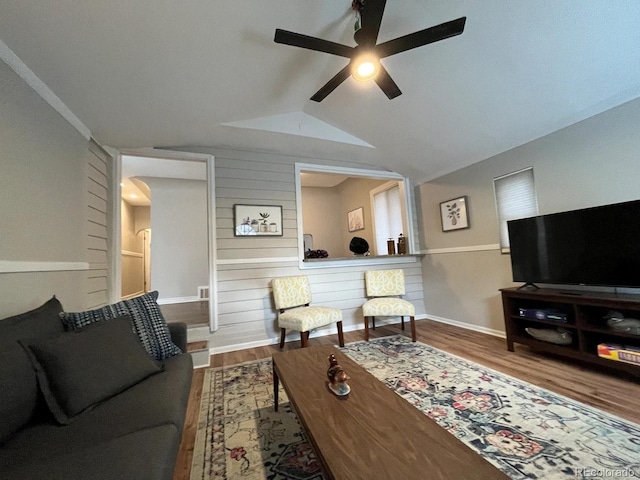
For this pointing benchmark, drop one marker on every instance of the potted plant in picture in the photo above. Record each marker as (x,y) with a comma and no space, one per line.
(454,213)
(264,227)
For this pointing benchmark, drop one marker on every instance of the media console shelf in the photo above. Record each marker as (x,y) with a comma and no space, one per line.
(585,321)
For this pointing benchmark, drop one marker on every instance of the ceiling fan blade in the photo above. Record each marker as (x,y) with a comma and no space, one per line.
(423,37)
(371,18)
(312,43)
(386,84)
(332,84)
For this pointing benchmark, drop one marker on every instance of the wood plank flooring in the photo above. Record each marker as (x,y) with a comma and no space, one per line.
(191,313)
(612,392)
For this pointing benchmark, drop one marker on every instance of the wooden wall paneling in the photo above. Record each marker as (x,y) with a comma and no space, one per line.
(99,172)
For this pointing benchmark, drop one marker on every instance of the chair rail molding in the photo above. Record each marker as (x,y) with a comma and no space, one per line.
(7,266)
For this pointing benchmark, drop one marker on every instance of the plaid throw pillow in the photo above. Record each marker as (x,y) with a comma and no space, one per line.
(147,320)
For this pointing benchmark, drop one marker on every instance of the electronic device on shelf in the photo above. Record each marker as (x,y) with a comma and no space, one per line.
(590,246)
(543,314)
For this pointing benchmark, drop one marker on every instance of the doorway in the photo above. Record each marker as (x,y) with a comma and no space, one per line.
(181,188)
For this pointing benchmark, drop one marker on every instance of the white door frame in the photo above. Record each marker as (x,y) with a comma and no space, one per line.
(115,284)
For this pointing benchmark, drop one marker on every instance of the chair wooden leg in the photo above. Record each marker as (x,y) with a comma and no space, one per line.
(304,337)
(373,322)
(282,335)
(402,322)
(366,328)
(340,334)
(413,328)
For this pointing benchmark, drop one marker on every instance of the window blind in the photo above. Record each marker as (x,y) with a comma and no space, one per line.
(388,217)
(515,198)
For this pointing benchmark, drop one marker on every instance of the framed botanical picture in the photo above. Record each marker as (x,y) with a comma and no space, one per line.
(454,214)
(257,220)
(355,219)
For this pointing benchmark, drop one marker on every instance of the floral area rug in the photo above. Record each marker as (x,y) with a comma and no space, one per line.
(526,431)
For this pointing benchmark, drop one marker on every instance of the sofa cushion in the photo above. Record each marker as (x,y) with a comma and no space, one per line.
(148,454)
(79,369)
(20,399)
(148,322)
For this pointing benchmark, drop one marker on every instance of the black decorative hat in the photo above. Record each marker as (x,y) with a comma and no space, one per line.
(359,245)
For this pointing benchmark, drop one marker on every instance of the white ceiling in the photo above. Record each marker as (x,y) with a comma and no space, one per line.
(165,73)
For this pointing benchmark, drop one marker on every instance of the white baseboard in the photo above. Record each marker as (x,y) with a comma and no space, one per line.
(166,301)
(466,326)
(326,331)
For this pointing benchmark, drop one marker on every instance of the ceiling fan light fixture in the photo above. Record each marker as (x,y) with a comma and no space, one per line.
(365,67)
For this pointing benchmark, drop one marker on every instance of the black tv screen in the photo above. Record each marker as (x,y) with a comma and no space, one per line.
(592,246)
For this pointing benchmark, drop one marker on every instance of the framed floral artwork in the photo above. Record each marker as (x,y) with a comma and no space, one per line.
(257,220)
(355,219)
(454,214)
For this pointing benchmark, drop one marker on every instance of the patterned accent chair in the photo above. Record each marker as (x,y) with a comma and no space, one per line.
(383,287)
(292,297)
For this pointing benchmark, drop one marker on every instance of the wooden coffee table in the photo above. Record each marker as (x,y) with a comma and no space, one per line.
(373,433)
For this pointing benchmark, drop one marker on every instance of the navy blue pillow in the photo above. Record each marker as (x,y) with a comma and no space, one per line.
(148,323)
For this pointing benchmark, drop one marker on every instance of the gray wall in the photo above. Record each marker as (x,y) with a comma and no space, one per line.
(319,207)
(132,257)
(354,193)
(325,209)
(47,206)
(591,163)
(246,266)
(179,239)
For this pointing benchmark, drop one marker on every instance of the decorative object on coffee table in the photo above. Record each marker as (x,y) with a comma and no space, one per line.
(337,378)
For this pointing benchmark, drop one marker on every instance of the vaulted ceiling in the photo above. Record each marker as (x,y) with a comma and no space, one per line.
(208,73)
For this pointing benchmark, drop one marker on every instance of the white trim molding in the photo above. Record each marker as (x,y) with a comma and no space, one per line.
(127,253)
(209,160)
(241,261)
(470,248)
(347,328)
(356,172)
(30,78)
(7,266)
(466,326)
(168,301)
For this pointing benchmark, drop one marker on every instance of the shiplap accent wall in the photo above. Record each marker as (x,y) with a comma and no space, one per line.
(246,266)
(99,172)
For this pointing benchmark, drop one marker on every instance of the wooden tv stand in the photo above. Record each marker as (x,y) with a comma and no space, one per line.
(585,313)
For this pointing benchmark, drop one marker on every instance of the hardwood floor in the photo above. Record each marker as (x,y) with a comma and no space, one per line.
(612,392)
(191,313)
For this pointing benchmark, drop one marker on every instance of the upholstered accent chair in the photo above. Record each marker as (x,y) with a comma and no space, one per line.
(383,288)
(292,296)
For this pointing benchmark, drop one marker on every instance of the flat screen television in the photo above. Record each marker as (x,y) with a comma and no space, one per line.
(592,246)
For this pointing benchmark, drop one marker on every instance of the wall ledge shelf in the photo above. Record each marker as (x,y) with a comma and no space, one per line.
(359,260)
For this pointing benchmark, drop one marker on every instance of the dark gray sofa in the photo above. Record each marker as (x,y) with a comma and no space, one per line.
(133,435)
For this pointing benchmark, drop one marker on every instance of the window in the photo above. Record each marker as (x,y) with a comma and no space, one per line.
(515,198)
(387,206)
(326,194)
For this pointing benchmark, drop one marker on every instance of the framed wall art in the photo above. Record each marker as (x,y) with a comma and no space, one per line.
(257,220)
(355,219)
(454,214)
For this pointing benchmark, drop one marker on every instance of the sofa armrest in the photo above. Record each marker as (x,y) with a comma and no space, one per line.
(178,331)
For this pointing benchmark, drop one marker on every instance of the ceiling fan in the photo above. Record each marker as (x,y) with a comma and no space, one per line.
(364,63)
